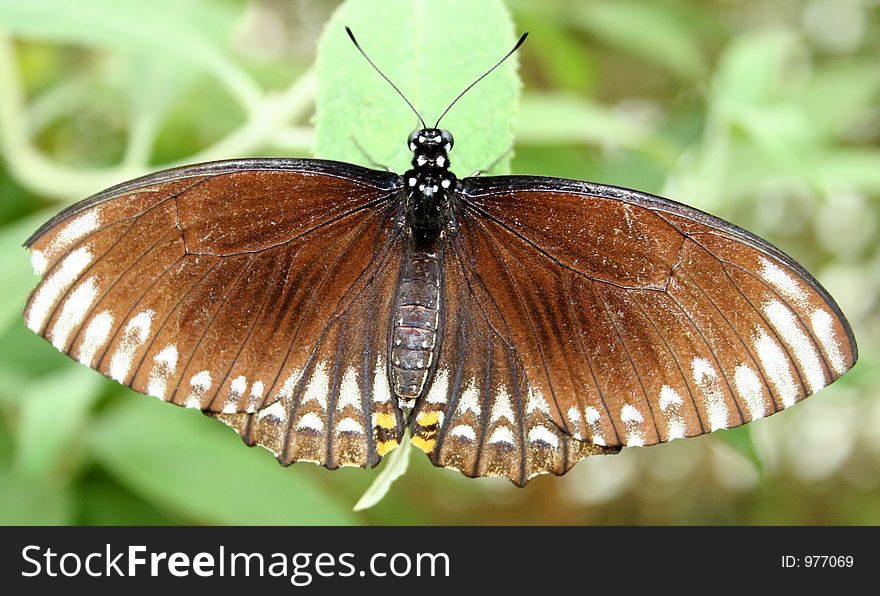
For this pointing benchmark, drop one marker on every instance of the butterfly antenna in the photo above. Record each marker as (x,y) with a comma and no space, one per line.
(483,76)
(382,74)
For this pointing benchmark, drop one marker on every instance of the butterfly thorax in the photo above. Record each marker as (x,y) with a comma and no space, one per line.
(429,184)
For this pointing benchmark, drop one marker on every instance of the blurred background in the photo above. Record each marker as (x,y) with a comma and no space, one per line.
(764,113)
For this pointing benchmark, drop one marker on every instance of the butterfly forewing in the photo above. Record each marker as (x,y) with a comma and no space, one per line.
(211,286)
(640,320)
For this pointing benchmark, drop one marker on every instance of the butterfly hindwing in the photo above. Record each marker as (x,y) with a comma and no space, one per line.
(480,415)
(340,411)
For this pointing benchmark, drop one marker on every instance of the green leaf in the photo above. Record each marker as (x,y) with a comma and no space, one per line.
(190,31)
(647,29)
(30,502)
(740,439)
(751,70)
(561,118)
(191,464)
(835,97)
(394,468)
(53,411)
(432,50)
(856,169)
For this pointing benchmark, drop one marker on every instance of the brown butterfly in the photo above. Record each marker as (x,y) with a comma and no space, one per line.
(515,324)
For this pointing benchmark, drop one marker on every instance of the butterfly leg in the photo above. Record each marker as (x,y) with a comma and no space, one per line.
(373,162)
(489,168)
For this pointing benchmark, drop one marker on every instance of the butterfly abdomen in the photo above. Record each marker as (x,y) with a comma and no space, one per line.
(416,318)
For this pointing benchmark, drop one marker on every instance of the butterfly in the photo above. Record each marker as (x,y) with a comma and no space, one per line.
(514,324)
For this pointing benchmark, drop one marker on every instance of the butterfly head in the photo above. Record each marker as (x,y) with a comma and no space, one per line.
(429,182)
(430,148)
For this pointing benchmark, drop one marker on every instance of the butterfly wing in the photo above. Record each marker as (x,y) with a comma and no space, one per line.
(481,415)
(342,412)
(214,286)
(636,319)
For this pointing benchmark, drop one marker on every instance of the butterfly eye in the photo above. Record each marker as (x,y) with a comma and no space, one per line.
(413,141)
(448,141)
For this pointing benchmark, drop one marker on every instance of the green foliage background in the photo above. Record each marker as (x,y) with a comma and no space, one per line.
(765,113)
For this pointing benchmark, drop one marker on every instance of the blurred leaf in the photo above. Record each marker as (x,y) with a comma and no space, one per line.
(856,169)
(740,439)
(189,463)
(835,95)
(432,51)
(104,502)
(751,70)
(188,31)
(15,269)
(26,501)
(394,468)
(784,136)
(564,61)
(53,410)
(153,84)
(561,118)
(647,29)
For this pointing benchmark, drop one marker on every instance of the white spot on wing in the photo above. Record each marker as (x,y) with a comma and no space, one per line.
(96,335)
(670,404)
(783,283)
(706,378)
(537,402)
(574,417)
(55,285)
(632,419)
(592,416)
(749,388)
(164,365)
(463,430)
(73,312)
(318,386)
(349,391)
(238,386)
(381,389)
(200,383)
(439,387)
(501,408)
(73,231)
(236,389)
(540,434)
(349,425)
(785,323)
(775,366)
(276,411)
(256,396)
(502,434)
(469,399)
(39,262)
(310,421)
(136,333)
(288,386)
(823,327)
